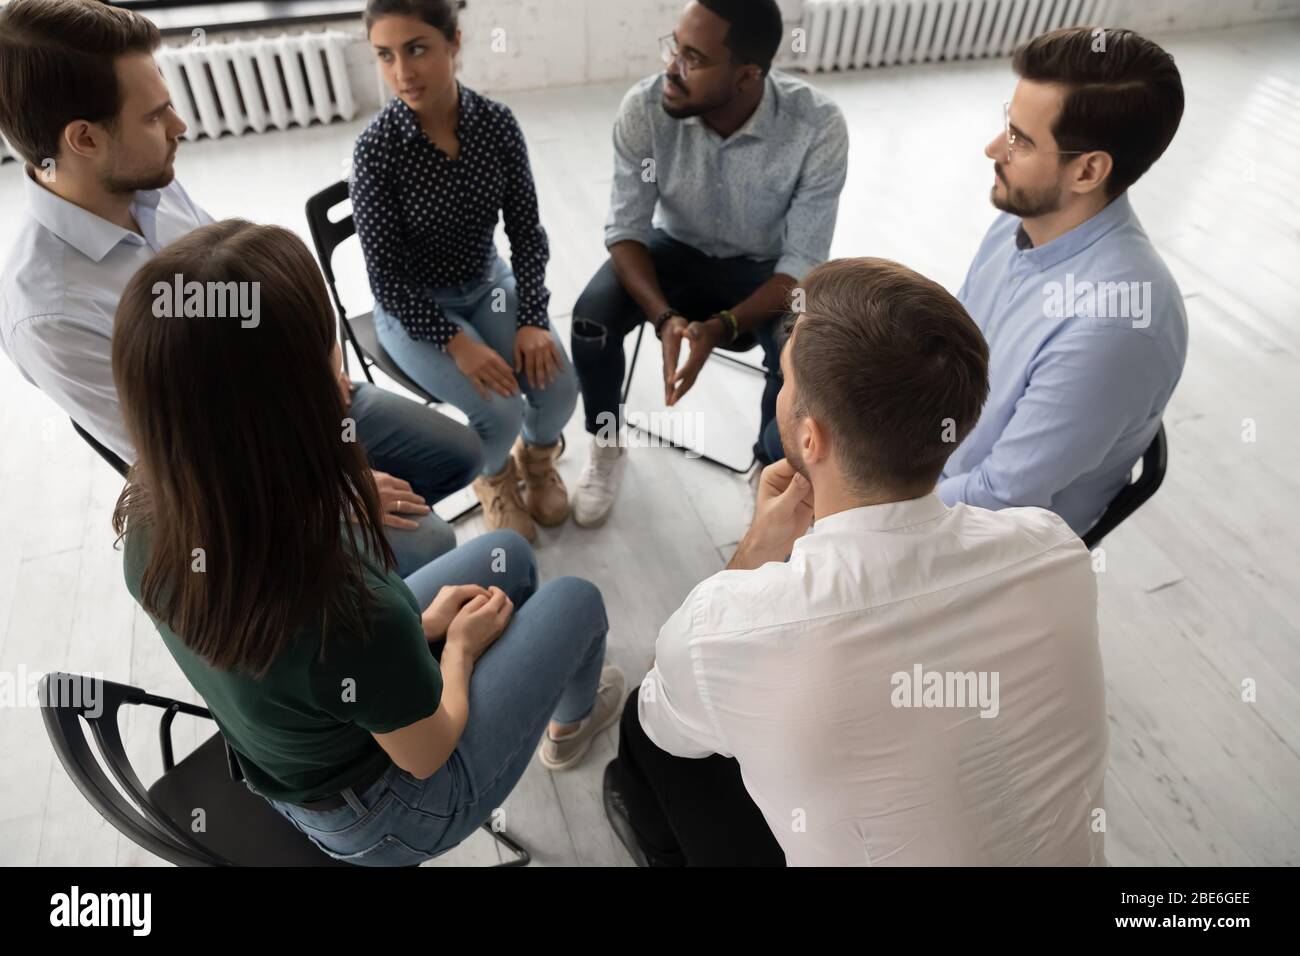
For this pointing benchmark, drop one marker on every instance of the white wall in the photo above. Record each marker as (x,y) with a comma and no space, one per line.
(527,44)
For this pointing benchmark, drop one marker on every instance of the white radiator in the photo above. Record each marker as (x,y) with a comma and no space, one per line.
(252,84)
(855,34)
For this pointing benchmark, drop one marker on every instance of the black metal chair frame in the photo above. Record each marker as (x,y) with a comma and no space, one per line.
(1155,462)
(117,464)
(140,812)
(358,331)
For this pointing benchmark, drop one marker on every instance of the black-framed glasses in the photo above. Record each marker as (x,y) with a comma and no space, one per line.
(1014,142)
(670,53)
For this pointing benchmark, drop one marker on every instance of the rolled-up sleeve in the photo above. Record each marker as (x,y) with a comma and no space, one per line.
(810,222)
(634,190)
(673,701)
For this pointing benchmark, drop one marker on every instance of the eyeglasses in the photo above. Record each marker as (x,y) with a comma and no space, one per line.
(1014,142)
(686,62)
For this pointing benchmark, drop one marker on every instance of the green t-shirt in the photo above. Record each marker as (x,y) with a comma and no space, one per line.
(303,731)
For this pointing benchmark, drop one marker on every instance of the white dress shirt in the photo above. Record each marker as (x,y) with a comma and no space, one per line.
(800,669)
(59,290)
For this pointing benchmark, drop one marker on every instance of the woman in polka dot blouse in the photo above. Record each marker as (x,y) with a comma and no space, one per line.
(431,175)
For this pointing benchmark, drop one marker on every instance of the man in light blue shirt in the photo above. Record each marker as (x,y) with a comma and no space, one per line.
(1085,324)
(99,136)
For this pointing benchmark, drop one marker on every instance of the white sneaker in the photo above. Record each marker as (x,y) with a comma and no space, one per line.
(598,485)
(752,479)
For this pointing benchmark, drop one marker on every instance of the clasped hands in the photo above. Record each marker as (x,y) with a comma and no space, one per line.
(704,337)
(469,616)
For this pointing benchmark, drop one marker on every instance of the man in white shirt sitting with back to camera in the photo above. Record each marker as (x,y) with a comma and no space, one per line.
(905,683)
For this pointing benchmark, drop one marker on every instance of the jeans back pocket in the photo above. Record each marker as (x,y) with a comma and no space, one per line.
(389,851)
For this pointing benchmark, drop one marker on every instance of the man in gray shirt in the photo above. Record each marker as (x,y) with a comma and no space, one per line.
(83,102)
(726,184)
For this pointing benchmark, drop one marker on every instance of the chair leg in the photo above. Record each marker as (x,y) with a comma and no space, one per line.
(521,856)
(631,369)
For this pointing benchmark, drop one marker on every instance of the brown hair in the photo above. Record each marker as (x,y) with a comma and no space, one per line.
(890,363)
(57,64)
(239,431)
(1124,95)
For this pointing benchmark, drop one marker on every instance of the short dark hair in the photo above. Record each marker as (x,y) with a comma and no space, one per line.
(1124,95)
(892,365)
(57,64)
(754,29)
(442,15)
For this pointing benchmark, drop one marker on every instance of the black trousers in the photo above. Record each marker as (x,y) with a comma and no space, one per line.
(697,284)
(686,811)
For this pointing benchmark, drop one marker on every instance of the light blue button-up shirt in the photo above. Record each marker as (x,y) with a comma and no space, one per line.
(1087,337)
(59,290)
(770,190)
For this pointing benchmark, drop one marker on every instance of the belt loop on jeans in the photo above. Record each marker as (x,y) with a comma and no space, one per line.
(346,797)
(353,800)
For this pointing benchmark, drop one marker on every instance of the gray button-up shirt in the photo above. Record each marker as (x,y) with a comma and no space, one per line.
(769,191)
(59,291)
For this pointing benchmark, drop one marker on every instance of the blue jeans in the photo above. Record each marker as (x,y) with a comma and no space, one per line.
(546,665)
(435,454)
(540,413)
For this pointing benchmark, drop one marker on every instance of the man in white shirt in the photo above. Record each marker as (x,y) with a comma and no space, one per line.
(82,101)
(905,683)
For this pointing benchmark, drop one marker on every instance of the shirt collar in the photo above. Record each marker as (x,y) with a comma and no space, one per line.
(91,235)
(894,516)
(1117,212)
(760,121)
(468,106)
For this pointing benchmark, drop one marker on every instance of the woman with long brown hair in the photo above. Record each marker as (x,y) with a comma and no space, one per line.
(252,537)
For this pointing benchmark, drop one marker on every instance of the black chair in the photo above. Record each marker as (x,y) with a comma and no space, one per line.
(239,827)
(358,330)
(1155,461)
(117,464)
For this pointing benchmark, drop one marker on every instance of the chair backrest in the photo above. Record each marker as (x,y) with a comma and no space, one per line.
(1155,461)
(69,700)
(327,235)
(117,463)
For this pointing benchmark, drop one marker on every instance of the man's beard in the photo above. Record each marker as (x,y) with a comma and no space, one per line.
(791,448)
(687,110)
(116,181)
(1021,202)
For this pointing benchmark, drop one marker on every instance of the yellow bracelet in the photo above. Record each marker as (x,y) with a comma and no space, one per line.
(735,325)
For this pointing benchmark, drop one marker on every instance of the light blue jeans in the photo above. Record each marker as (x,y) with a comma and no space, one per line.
(545,666)
(435,454)
(540,413)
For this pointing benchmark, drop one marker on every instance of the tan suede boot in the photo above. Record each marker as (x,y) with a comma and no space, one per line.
(545,496)
(502,505)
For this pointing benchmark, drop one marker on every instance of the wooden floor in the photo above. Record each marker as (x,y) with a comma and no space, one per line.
(1199,592)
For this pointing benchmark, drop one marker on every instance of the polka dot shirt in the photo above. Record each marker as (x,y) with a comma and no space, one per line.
(427,221)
